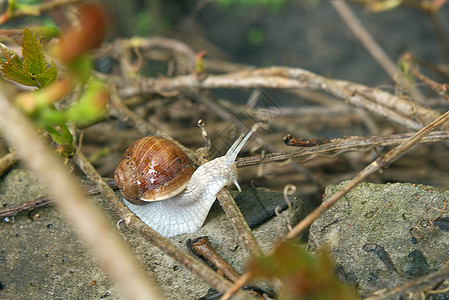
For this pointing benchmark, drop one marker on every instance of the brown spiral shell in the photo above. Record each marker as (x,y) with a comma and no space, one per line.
(152,169)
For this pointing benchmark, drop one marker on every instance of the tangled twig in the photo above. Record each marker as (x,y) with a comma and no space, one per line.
(417,231)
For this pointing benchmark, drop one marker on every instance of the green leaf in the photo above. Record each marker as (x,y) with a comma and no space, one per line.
(33,70)
(91,106)
(81,67)
(46,32)
(62,136)
(10,56)
(10,72)
(303,276)
(385,5)
(34,62)
(11,67)
(48,76)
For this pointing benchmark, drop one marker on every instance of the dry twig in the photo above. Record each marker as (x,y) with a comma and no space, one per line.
(391,107)
(7,162)
(11,211)
(365,37)
(339,146)
(37,10)
(441,89)
(412,286)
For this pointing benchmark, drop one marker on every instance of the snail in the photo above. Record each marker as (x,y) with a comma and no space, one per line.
(178,204)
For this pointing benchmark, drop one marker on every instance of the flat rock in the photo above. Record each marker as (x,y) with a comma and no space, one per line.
(42,258)
(376,217)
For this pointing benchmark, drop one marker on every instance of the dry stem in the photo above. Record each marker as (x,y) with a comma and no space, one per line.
(338,146)
(386,105)
(87,220)
(11,211)
(411,286)
(37,10)
(365,37)
(7,162)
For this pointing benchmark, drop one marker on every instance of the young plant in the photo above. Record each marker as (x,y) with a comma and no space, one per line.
(34,70)
(303,275)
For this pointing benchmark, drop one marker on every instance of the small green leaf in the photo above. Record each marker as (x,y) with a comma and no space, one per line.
(34,62)
(33,70)
(81,67)
(48,76)
(91,106)
(46,32)
(10,72)
(10,56)
(61,137)
(11,67)
(385,5)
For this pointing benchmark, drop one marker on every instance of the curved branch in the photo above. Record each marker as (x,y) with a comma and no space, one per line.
(7,162)
(386,105)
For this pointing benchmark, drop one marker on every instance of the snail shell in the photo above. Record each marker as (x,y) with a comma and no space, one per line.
(152,169)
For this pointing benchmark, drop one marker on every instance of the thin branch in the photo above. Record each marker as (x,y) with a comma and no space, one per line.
(411,286)
(365,37)
(386,105)
(441,89)
(354,143)
(175,46)
(37,10)
(7,162)
(11,211)
(89,222)
(238,222)
(373,47)
(159,48)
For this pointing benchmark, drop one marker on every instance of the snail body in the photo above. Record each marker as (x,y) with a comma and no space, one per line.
(186,211)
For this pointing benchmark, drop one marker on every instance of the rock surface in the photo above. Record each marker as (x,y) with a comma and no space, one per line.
(377,217)
(42,258)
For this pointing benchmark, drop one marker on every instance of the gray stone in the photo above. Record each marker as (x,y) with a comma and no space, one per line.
(42,258)
(379,218)
(40,255)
